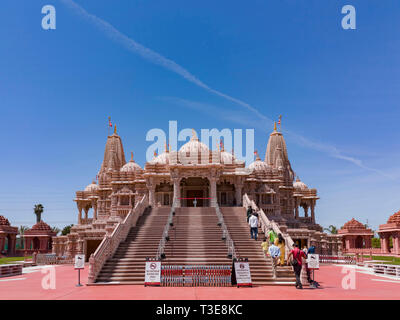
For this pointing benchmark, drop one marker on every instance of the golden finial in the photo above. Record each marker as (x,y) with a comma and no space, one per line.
(274,125)
(131,156)
(165,147)
(115,129)
(194,135)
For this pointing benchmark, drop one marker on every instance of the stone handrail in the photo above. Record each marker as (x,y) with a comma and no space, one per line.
(111,242)
(266,223)
(163,240)
(225,233)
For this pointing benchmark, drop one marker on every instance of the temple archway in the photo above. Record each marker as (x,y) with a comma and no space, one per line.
(359,242)
(35,243)
(194,192)
(226,194)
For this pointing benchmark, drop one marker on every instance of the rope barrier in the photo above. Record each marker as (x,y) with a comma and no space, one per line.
(196,276)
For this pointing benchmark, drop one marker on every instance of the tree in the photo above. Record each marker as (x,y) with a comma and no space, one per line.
(375,242)
(56,230)
(66,230)
(22,229)
(332,229)
(38,209)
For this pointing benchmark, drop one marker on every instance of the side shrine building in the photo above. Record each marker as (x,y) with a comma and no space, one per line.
(196,176)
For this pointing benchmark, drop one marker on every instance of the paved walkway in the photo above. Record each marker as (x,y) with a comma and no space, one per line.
(29,286)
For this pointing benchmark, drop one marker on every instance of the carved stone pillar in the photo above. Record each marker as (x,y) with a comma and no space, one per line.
(94,205)
(396,243)
(305,211)
(2,242)
(114,202)
(296,208)
(86,209)
(177,192)
(238,195)
(79,213)
(80,246)
(152,190)
(313,212)
(213,191)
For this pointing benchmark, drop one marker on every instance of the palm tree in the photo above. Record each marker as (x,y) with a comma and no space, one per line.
(56,230)
(66,230)
(22,230)
(332,229)
(38,209)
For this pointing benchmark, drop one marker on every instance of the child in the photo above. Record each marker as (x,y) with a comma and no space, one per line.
(264,246)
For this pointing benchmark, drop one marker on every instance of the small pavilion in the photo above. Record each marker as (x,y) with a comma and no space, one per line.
(390,230)
(8,236)
(355,235)
(39,238)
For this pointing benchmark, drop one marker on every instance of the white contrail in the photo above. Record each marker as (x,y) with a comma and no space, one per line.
(160,60)
(151,55)
(256,123)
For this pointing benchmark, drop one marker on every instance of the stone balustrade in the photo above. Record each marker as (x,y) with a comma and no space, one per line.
(111,241)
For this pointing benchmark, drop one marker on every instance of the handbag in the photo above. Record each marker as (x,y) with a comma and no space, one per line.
(294,261)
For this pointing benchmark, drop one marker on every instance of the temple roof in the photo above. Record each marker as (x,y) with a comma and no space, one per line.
(162,158)
(91,187)
(299,185)
(41,226)
(276,154)
(4,221)
(353,224)
(194,145)
(131,166)
(394,218)
(114,157)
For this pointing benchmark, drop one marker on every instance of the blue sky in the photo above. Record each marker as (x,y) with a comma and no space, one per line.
(338,92)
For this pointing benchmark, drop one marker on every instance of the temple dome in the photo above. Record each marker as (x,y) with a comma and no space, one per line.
(163,158)
(41,226)
(194,145)
(4,221)
(227,158)
(131,166)
(299,185)
(258,165)
(353,224)
(92,187)
(394,218)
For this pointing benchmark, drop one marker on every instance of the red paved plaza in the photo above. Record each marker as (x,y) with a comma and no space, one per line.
(29,286)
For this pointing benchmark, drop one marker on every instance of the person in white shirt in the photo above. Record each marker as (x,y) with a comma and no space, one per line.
(253,223)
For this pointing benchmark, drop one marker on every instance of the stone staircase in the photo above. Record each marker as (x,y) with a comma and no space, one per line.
(195,239)
(127,266)
(260,266)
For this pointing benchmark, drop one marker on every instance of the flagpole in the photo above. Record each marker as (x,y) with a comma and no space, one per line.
(108,125)
(280,123)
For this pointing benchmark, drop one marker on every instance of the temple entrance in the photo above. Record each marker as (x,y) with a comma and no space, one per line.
(36,243)
(91,246)
(359,243)
(192,190)
(301,243)
(196,194)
